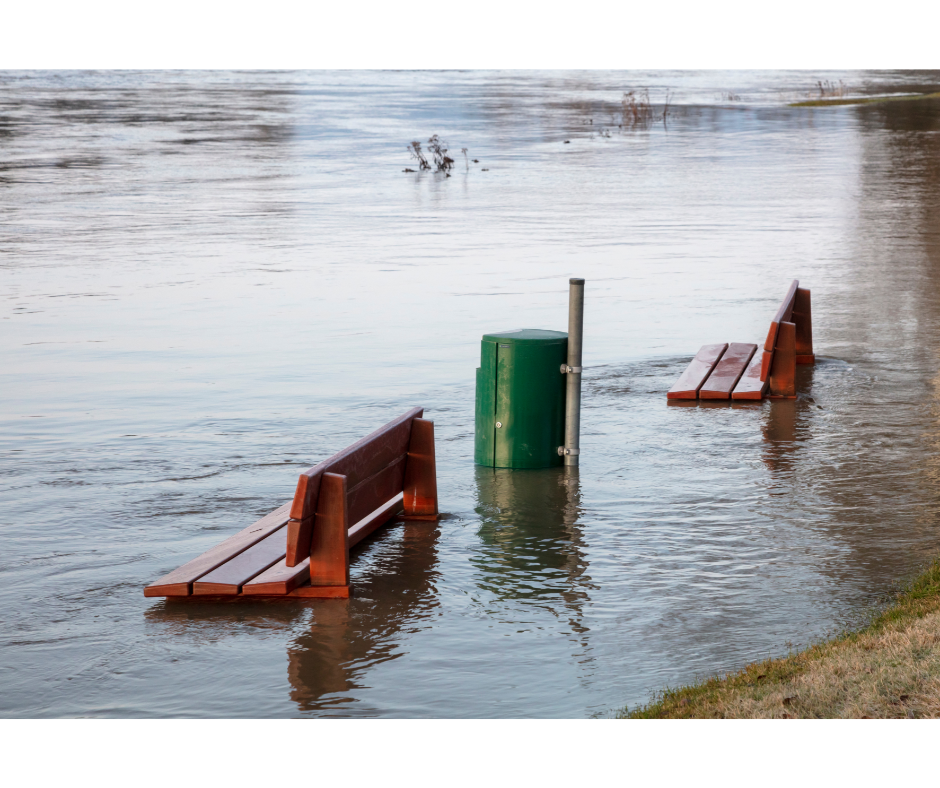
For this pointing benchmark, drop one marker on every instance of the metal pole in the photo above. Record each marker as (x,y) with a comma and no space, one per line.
(572,446)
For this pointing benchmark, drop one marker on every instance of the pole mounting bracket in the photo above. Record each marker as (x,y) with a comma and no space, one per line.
(562,451)
(565,369)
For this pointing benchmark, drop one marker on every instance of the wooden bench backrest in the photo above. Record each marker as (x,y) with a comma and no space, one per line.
(339,502)
(784,313)
(369,465)
(373,469)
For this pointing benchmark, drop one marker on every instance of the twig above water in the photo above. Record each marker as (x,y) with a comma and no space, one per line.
(437,148)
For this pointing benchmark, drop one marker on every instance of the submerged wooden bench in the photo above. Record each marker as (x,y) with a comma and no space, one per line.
(737,371)
(301,549)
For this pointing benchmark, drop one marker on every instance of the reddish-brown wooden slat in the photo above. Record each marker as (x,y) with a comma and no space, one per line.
(374,520)
(179,581)
(278,580)
(376,490)
(320,592)
(766,359)
(304,504)
(372,454)
(303,508)
(229,578)
(786,306)
(300,592)
(299,533)
(688,384)
(727,372)
(803,320)
(282,579)
(750,386)
(357,462)
(362,501)
(420,485)
(782,378)
(783,314)
(329,548)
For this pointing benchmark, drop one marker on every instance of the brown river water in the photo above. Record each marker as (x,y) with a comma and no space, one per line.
(211,281)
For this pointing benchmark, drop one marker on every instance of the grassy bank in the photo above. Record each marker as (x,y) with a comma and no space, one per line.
(890,668)
(838,102)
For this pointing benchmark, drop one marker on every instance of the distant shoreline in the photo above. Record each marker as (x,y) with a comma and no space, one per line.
(839,102)
(888,669)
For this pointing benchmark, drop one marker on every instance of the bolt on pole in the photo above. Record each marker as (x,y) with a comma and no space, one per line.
(573,390)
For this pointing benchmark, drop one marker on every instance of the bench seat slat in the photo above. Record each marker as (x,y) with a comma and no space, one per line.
(278,579)
(319,592)
(179,581)
(750,386)
(229,578)
(727,372)
(688,384)
(283,579)
(305,591)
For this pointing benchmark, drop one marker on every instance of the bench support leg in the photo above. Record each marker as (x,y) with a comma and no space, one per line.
(420,498)
(329,545)
(783,367)
(302,514)
(803,320)
(299,533)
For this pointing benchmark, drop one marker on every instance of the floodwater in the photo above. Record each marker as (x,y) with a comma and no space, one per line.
(211,281)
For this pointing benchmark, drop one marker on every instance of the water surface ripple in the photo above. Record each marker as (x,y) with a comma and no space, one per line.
(211,281)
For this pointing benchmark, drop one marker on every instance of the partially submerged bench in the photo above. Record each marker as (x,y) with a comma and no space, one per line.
(301,549)
(737,371)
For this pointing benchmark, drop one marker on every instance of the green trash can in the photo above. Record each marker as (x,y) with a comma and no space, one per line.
(520,407)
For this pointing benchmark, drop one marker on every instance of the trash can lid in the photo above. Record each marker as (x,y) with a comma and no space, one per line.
(527,336)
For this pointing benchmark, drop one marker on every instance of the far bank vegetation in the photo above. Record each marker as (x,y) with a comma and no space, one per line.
(637,112)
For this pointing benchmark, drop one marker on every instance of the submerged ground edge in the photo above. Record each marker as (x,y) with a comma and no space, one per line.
(887,669)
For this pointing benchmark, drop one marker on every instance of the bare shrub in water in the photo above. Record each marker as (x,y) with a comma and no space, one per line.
(822,92)
(666,106)
(442,161)
(637,111)
(437,148)
(416,153)
(829,89)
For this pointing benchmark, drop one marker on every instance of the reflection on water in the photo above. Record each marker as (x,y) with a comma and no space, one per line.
(786,425)
(213,280)
(328,664)
(208,622)
(532,545)
(779,430)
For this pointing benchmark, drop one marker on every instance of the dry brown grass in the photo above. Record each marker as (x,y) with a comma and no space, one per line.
(828,89)
(890,669)
(636,108)
(637,112)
